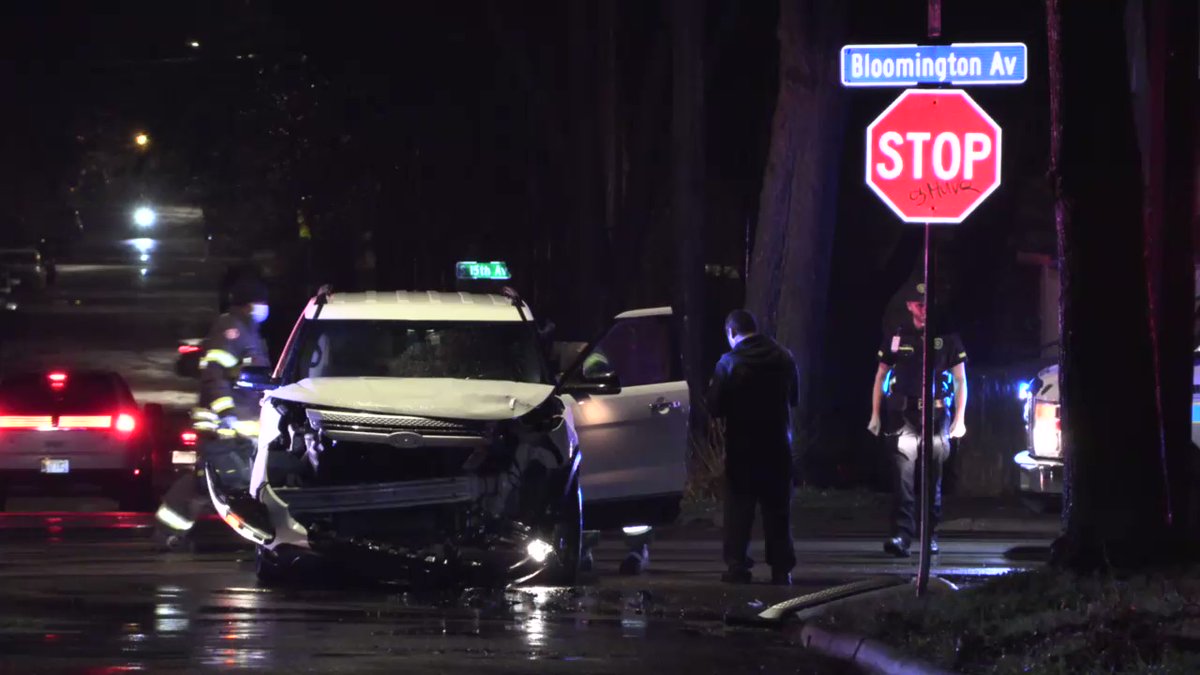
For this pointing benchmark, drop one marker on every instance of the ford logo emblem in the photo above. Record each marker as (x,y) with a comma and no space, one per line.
(406,439)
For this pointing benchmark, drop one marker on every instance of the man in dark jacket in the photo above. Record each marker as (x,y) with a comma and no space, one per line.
(753,389)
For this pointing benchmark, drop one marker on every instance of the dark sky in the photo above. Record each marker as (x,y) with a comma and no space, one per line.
(439,80)
(458,129)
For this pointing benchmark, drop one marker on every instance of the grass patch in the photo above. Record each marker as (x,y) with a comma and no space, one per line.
(706,470)
(1045,621)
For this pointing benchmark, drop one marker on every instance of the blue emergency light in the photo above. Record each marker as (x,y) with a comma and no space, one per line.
(469,270)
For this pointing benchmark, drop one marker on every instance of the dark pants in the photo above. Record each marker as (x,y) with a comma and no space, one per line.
(905,514)
(775,500)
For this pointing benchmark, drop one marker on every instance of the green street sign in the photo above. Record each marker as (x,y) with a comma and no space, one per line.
(475,271)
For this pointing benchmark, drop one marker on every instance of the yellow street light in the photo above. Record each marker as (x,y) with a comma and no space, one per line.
(142,140)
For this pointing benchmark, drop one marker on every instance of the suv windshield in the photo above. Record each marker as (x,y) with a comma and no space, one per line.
(451,349)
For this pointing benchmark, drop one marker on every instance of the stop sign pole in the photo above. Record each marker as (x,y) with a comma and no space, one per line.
(932,156)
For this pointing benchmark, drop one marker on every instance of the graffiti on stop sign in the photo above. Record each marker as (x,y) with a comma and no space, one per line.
(933,155)
(931,191)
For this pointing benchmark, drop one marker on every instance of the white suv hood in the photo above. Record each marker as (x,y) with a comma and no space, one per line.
(426,397)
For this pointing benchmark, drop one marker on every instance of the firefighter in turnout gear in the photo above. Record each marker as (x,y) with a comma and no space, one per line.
(227,417)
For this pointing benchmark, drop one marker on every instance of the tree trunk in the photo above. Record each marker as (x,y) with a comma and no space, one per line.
(687,184)
(788,282)
(1170,41)
(1115,508)
(586,240)
(608,110)
(642,179)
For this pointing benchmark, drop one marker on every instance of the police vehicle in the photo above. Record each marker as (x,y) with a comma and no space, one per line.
(422,435)
(1040,464)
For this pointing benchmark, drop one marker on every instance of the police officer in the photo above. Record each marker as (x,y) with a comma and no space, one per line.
(753,389)
(902,354)
(227,417)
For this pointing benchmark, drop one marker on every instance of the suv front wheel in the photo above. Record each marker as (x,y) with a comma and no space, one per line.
(568,537)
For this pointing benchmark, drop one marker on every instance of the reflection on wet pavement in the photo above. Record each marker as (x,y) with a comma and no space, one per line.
(125,624)
(96,597)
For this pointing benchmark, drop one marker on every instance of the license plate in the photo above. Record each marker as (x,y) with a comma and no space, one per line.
(183,457)
(56,466)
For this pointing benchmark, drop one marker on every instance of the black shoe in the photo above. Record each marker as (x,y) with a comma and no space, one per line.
(737,577)
(781,578)
(897,546)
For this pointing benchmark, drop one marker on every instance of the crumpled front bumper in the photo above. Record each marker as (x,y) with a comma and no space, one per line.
(489,550)
(1039,475)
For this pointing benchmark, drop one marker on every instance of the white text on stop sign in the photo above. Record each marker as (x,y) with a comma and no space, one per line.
(963,154)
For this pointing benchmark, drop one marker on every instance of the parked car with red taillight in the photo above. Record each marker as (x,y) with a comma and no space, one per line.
(74,432)
(187,364)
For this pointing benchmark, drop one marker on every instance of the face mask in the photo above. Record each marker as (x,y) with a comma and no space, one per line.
(259,312)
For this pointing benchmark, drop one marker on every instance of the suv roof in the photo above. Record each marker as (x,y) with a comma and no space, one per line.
(418,306)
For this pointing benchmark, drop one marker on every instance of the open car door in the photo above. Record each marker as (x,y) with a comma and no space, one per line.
(634,441)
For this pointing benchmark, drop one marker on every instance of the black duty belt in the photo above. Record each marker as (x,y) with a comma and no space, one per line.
(914,403)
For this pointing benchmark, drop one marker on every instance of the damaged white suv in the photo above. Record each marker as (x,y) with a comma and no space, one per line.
(422,436)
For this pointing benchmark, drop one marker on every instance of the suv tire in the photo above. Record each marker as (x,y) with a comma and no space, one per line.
(568,535)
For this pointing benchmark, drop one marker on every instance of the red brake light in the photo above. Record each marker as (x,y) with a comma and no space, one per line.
(58,381)
(25,422)
(189,437)
(188,349)
(85,421)
(125,423)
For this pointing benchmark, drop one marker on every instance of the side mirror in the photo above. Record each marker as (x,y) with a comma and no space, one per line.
(256,378)
(598,384)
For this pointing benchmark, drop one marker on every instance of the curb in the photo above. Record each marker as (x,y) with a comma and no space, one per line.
(960,527)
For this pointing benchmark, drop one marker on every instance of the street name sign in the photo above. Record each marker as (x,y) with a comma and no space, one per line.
(933,155)
(960,64)
(475,271)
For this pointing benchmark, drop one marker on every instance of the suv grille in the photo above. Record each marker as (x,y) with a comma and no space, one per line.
(337,420)
(355,463)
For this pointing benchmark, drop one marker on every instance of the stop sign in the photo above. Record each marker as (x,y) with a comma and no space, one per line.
(933,155)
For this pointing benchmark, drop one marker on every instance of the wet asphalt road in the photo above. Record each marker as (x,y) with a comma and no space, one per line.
(87,592)
(79,599)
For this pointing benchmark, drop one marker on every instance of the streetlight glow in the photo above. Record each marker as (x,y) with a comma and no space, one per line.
(142,140)
(144,216)
(194,44)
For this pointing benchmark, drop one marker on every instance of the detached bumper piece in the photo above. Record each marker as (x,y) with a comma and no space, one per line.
(1039,475)
(426,533)
(247,516)
(459,561)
